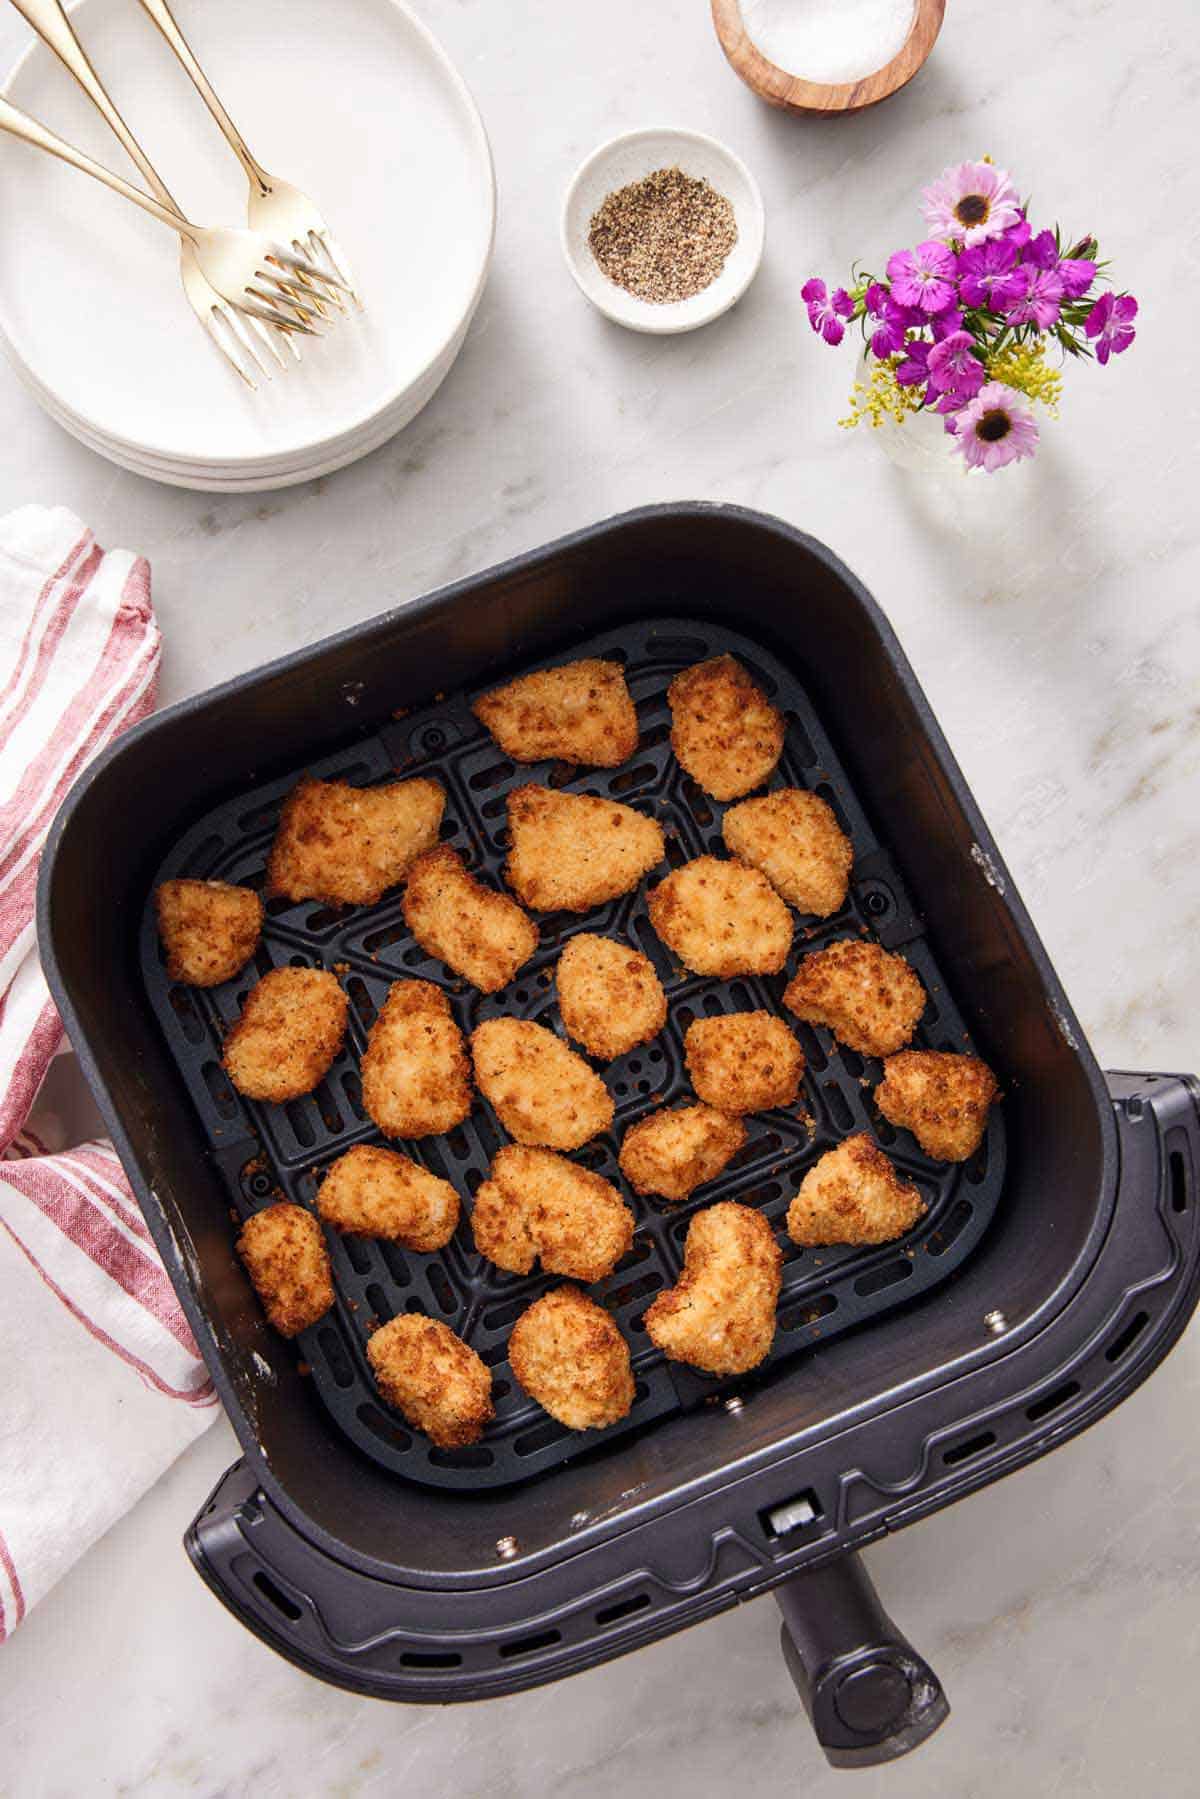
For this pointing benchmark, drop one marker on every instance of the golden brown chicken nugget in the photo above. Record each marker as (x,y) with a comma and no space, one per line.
(286,1258)
(535,1203)
(380,1193)
(209,929)
(416,1079)
(720,1314)
(347,845)
(671,1153)
(943,1099)
(290,1030)
(721,918)
(568,1354)
(724,730)
(569,852)
(579,713)
(476,932)
(609,997)
(743,1061)
(870,999)
(853,1195)
(793,836)
(442,1387)
(542,1092)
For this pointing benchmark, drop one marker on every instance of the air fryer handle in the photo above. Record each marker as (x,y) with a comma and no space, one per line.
(868,1694)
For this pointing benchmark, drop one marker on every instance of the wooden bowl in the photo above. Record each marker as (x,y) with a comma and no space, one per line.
(779,88)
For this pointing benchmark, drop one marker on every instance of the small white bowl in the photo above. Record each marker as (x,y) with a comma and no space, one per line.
(631,157)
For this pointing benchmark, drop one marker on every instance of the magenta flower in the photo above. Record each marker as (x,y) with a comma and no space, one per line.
(923,277)
(987,275)
(915,367)
(946,324)
(825,315)
(1040,300)
(1110,322)
(1018,235)
(893,321)
(971,203)
(954,368)
(1076,274)
(1041,251)
(996,428)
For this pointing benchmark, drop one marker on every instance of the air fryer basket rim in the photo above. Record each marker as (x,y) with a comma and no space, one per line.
(444,600)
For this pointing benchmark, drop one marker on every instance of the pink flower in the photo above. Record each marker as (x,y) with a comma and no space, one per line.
(1110,322)
(988,276)
(996,428)
(971,203)
(923,277)
(954,368)
(825,315)
(1076,274)
(1040,302)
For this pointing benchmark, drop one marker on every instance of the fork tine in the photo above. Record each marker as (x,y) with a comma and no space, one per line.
(337,257)
(221,338)
(270,315)
(276,299)
(239,326)
(280,291)
(316,249)
(264,338)
(304,265)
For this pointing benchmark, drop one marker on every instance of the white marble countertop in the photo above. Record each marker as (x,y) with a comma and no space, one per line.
(1052,617)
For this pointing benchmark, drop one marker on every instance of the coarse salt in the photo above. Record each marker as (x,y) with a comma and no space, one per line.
(828,40)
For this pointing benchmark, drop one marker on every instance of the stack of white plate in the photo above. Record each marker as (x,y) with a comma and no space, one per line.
(354,102)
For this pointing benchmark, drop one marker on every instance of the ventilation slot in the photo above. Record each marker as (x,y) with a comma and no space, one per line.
(360,999)
(277,1597)
(972,1446)
(302,1130)
(442,1290)
(321,921)
(809,1311)
(1050,1402)
(631,1290)
(477,1456)
(697,804)
(416,1658)
(352,1088)
(635,777)
(540,1437)
(1178,1175)
(799,745)
(624,1608)
(491,776)
(544,1639)
(839,1108)
(378,1301)
(949,1230)
(888,1276)
(976,1168)
(1125,1341)
(185,1012)
(219,1090)
(358,1253)
(852,1062)
(331,1118)
(394,1262)
(383,1427)
(676,649)
(835,806)
(200,860)
(334,1351)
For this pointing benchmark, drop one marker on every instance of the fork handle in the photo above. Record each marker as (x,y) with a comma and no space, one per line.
(160,12)
(52,25)
(31,131)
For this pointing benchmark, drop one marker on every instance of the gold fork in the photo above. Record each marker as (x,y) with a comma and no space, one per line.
(274,206)
(241,338)
(260,279)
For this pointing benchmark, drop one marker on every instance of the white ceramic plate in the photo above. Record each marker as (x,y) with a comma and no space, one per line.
(631,157)
(352,100)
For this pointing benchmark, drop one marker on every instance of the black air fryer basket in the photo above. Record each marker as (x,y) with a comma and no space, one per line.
(1049,1276)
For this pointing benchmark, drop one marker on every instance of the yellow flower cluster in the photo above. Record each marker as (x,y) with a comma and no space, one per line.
(880,398)
(1024,367)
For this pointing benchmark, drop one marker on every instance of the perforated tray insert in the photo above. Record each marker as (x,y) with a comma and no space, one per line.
(264,1152)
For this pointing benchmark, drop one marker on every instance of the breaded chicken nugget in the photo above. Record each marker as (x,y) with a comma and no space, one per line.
(380,1193)
(346,845)
(442,1387)
(580,713)
(476,932)
(290,1030)
(535,1203)
(853,1195)
(416,1080)
(725,731)
(542,1091)
(209,929)
(609,997)
(793,836)
(286,1258)
(671,1153)
(568,1354)
(942,1099)
(870,999)
(721,918)
(744,1061)
(569,852)
(720,1314)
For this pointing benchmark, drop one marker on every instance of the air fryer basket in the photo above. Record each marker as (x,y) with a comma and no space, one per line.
(341,1545)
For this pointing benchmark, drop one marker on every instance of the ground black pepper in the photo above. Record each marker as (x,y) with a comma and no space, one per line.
(665,237)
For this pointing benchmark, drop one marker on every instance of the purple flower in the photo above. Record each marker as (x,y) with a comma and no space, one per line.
(825,315)
(954,368)
(1018,235)
(946,324)
(915,367)
(893,321)
(923,277)
(987,275)
(971,203)
(1110,322)
(1040,299)
(1041,251)
(996,428)
(1076,274)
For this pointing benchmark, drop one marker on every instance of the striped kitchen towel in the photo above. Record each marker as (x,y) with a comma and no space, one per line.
(102,1385)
